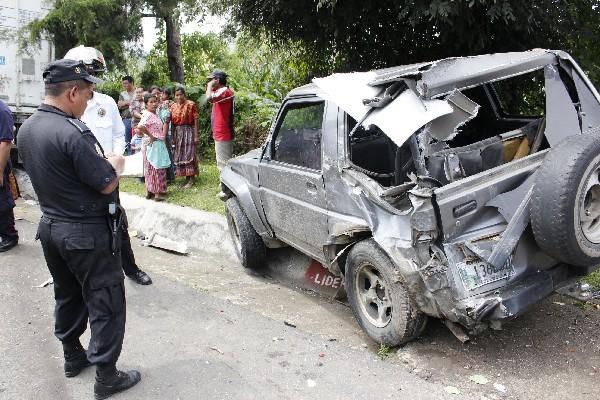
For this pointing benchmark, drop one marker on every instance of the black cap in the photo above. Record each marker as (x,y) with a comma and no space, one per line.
(67,70)
(217,73)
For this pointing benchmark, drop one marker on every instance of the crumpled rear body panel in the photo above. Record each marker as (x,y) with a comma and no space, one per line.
(457,228)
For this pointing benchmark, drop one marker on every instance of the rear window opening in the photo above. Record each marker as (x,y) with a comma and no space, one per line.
(509,124)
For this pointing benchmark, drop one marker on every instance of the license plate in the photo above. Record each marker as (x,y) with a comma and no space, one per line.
(480,273)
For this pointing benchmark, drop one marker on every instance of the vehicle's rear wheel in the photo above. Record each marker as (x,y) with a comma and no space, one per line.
(249,246)
(379,300)
(565,204)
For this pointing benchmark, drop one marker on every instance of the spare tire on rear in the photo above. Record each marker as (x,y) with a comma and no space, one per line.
(565,205)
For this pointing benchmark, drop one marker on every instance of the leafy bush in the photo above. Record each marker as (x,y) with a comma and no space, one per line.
(260,72)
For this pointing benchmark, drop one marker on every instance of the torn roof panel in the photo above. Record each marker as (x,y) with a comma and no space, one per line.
(412,111)
(349,90)
(443,76)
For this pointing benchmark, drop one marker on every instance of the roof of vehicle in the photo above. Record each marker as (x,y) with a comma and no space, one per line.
(443,76)
(307,90)
(439,77)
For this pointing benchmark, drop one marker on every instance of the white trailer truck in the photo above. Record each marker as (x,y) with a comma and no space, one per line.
(21,85)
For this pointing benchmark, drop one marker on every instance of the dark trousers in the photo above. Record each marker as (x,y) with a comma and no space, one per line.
(88,284)
(127,257)
(7,216)
(7,225)
(127,123)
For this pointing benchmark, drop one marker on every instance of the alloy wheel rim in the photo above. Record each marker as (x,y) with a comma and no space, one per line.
(589,213)
(373,296)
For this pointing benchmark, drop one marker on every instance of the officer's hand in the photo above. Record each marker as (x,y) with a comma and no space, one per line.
(118,163)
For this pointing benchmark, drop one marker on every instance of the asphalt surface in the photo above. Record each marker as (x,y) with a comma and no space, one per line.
(206,308)
(187,343)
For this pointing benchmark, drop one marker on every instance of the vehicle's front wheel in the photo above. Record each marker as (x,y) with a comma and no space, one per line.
(249,246)
(379,300)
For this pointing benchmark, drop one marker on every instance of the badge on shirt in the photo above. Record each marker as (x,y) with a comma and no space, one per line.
(101,112)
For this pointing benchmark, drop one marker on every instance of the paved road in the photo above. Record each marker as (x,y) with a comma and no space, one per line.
(553,352)
(187,343)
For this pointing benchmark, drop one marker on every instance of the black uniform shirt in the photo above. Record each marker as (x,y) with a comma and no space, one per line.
(66,165)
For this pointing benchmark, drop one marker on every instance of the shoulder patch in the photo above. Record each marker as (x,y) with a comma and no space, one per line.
(81,127)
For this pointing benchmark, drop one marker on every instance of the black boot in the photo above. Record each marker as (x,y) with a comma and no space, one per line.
(109,380)
(75,358)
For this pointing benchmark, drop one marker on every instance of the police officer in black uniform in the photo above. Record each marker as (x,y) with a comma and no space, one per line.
(80,227)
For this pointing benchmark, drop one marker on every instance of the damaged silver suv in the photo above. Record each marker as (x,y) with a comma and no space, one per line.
(465,189)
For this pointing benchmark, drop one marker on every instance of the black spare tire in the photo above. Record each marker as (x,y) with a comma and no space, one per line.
(248,244)
(565,206)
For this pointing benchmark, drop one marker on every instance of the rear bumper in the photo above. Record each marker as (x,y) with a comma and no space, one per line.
(513,300)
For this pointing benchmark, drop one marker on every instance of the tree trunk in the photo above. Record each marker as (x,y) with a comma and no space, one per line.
(174,54)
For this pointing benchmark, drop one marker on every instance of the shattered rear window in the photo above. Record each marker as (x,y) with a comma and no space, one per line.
(522,95)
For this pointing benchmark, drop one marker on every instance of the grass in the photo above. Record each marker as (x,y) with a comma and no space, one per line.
(384,351)
(593,279)
(203,195)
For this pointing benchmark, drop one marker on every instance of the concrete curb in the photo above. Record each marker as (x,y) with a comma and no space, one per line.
(200,230)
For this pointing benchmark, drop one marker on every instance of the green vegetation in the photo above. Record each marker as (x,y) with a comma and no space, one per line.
(593,279)
(104,24)
(361,35)
(260,72)
(583,305)
(384,351)
(203,195)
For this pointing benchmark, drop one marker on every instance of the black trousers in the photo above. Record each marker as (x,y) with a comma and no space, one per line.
(127,257)
(7,225)
(88,284)
(7,217)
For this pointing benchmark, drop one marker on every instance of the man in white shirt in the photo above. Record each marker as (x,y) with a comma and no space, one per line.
(102,117)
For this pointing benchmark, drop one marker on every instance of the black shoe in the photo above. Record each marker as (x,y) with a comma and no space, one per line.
(140,277)
(120,381)
(75,365)
(7,244)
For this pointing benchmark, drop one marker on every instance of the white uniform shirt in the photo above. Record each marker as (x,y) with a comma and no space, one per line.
(103,118)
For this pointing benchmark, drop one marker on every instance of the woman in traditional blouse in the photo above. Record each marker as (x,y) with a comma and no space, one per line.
(184,116)
(152,127)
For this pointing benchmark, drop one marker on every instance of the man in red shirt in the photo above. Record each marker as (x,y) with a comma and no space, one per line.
(221,96)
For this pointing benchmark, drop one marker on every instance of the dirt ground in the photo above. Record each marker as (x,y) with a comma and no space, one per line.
(551,352)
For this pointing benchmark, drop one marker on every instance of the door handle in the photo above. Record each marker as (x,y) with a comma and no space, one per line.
(311,186)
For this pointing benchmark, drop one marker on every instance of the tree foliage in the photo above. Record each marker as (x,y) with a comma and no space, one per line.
(104,24)
(357,34)
(260,72)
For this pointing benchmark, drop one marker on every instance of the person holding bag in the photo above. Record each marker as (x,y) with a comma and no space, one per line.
(156,155)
